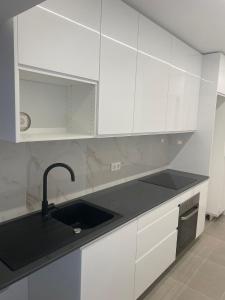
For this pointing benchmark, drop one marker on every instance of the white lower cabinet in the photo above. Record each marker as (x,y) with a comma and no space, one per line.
(17,291)
(108,266)
(203,190)
(154,263)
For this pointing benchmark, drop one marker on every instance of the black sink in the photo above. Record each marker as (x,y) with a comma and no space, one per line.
(82,215)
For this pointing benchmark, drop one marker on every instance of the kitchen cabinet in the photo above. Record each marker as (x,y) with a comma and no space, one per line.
(117,68)
(186,58)
(151,95)
(50,38)
(183,101)
(154,40)
(155,252)
(17,291)
(203,190)
(175,100)
(108,266)
(221,76)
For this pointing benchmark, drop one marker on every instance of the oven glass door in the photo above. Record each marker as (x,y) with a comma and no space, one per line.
(187,228)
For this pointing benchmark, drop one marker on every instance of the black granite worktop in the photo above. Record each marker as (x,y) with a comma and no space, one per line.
(129,200)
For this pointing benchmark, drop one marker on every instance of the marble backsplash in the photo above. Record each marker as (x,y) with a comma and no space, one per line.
(22,167)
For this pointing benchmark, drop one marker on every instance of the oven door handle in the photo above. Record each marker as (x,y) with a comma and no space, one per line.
(195,211)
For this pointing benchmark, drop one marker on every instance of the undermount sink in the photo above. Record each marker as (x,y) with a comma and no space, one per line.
(83,216)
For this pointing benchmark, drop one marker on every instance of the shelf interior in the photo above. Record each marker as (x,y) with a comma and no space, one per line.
(59,108)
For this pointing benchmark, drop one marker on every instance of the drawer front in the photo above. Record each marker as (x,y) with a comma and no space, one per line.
(154,233)
(151,266)
(157,213)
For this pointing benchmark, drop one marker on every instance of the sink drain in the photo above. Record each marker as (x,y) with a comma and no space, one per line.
(77,230)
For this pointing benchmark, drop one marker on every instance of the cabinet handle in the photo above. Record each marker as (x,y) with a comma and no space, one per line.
(190,215)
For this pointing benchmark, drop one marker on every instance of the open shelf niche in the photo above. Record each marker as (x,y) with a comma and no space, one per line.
(59,108)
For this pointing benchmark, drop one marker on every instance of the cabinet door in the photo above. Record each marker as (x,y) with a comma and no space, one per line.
(54,42)
(203,189)
(151,95)
(175,104)
(190,103)
(117,88)
(120,22)
(221,80)
(186,58)
(108,266)
(154,40)
(154,263)
(17,291)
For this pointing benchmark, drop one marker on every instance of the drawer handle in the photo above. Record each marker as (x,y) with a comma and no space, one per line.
(190,215)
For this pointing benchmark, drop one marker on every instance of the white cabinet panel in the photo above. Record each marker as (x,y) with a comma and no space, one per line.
(186,57)
(50,42)
(17,291)
(151,266)
(108,266)
(156,232)
(117,88)
(175,103)
(120,21)
(203,189)
(221,79)
(154,40)
(191,102)
(85,12)
(151,95)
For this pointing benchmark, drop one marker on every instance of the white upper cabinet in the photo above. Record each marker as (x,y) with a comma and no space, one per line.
(221,79)
(117,68)
(186,58)
(174,116)
(154,40)
(57,37)
(120,22)
(151,95)
(190,103)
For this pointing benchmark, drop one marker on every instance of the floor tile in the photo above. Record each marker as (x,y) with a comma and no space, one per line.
(205,245)
(186,267)
(218,255)
(209,280)
(167,289)
(190,294)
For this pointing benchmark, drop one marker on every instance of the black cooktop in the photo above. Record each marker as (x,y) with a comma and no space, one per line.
(169,180)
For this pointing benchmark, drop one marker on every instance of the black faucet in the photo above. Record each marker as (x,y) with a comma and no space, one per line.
(45,206)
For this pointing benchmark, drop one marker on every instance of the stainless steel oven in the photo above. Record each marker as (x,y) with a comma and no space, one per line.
(187,225)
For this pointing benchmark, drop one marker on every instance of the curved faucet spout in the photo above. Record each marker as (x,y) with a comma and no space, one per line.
(45,205)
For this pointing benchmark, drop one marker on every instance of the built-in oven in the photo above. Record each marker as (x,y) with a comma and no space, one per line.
(187,225)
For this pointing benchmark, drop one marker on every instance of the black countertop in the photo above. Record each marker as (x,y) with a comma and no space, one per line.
(129,200)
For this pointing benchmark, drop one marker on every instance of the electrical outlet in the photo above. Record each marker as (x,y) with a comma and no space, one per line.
(115,166)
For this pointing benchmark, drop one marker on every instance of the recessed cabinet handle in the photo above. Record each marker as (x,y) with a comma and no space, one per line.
(190,215)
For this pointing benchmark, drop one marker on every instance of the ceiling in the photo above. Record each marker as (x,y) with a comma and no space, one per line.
(10,8)
(200,23)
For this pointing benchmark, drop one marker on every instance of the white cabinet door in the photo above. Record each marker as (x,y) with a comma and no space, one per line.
(17,291)
(53,42)
(108,266)
(175,102)
(154,40)
(190,103)
(203,189)
(120,22)
(151,95)
(221,80)
(117,88)
(186,58)
(154,263)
